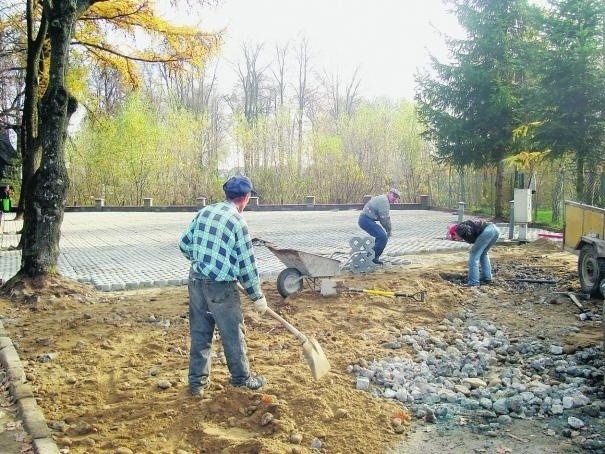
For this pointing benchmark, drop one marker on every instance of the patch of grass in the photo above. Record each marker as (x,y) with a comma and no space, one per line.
(544,218)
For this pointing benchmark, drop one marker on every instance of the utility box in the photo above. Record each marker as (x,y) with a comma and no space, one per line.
(523,209)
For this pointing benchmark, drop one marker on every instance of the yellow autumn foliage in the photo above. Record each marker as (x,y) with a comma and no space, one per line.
(120,33)
(527,159)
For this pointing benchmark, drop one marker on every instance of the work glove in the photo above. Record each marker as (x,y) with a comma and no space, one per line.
(260,305)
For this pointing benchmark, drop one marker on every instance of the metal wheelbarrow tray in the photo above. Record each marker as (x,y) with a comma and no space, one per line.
(300,266)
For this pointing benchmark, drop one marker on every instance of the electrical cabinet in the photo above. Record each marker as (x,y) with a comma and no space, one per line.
(523,209)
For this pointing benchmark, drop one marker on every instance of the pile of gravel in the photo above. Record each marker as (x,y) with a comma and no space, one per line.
(473,368)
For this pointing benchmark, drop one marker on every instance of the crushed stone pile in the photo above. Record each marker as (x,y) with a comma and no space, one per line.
(473,369)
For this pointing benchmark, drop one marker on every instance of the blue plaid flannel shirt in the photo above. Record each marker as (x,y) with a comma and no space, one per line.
(219,247)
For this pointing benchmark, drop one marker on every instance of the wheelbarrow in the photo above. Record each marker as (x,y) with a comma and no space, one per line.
(300,266)
(316,269)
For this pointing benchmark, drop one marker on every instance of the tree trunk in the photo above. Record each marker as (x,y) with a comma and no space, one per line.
(30,149)
(499,196)
(45,201)
(580,177)
(557,196)
(462,188)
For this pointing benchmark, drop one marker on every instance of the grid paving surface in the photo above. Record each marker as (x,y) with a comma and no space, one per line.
(129,250)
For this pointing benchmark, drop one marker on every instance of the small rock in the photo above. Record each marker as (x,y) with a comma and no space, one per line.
(462,390)
(500,406)
(556,349)
(430,416)
(90,442)
(123,450)
(575,423)
(296,438)
(505,420)
(106,345)
(315,444)
(591,410)
(58,426)
(363,383)
(164,384)
(568,402)
(557,409)
(341,413)
(441,412)
(46,357)
(474,383)
(266,419)
(399,429)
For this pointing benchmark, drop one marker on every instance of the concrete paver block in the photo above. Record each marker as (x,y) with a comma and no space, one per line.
(128,250)
(45,446)
(5,342)
(21,390)
(36,427)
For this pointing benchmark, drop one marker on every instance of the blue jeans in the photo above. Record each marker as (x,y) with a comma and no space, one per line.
(215,303)
(374,229)
(479,256)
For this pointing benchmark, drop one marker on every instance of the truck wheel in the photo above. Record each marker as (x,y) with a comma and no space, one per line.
(591,270)
(289,281)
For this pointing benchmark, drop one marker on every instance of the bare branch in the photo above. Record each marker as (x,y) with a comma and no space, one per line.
(127,57)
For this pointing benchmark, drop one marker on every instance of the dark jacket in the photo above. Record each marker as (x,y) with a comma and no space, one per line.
(471,229)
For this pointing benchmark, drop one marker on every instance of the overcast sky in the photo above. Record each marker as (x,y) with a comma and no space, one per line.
(387,39)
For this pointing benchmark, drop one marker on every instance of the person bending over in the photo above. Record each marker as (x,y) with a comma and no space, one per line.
(375,219)
(482,235)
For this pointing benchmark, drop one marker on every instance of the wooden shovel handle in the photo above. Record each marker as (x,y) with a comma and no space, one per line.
(301,337)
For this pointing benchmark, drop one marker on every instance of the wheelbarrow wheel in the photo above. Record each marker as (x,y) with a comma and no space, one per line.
(289,281)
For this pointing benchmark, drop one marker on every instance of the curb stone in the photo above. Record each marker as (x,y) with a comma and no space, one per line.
(33,419)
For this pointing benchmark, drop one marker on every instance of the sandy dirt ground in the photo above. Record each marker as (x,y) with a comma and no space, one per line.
(109,370)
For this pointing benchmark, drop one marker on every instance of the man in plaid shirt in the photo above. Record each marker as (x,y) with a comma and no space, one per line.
(219,247)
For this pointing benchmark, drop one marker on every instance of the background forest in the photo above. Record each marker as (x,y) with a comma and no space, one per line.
(522,94)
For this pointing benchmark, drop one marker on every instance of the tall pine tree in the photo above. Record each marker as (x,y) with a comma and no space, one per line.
(471,105)
(571,96)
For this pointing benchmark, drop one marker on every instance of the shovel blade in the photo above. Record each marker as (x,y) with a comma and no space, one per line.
(316,358)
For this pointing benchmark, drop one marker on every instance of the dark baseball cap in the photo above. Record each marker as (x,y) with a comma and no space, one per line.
(238,185)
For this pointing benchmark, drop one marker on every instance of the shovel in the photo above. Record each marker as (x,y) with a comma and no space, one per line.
(330,287)
(418,296)
(315,356)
